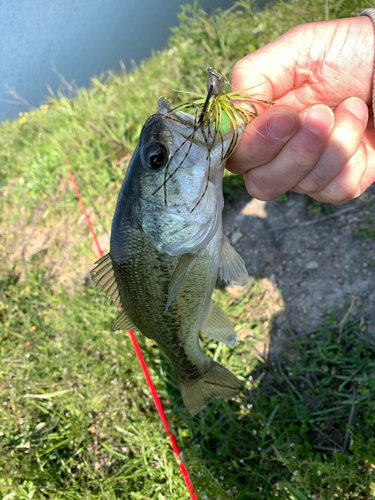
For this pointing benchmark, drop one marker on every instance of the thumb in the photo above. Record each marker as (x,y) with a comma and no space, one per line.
(247,75)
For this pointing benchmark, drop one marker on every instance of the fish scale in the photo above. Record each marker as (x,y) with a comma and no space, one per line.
(145,298)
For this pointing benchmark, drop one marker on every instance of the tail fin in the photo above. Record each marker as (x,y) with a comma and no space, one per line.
(217,382)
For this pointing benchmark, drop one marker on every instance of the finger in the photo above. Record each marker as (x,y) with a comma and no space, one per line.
(264,139)
(262,72)
(345,185)
(296,159)
(350,124)
(369,175)
(274,72)
(369,141)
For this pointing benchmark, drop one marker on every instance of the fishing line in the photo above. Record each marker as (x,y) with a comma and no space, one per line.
(83,208)
(142,362)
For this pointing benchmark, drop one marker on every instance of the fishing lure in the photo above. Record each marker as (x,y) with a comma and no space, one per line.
(218,109)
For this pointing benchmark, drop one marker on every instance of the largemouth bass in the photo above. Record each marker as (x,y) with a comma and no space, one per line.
(167,248)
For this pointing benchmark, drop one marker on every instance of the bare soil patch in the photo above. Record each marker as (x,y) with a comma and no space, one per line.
(318,263)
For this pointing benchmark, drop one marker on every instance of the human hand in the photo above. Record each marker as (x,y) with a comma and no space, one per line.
(318,138)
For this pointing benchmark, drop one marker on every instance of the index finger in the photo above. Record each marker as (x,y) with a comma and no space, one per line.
(269,71)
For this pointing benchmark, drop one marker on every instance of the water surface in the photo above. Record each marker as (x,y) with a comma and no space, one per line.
(80,38)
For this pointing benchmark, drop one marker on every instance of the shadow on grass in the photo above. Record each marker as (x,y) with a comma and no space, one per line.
(305,426)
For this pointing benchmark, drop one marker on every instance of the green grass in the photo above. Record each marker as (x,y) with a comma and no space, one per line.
(76,418)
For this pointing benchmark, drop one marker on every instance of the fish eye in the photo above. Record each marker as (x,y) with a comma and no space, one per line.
(155,155)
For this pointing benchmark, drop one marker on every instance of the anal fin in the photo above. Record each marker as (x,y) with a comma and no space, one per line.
(180,274)
(232,267)
(123,322)
(218,327)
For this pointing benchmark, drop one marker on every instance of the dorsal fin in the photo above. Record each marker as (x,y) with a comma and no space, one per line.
(103,274)
(232,267)
(218,327)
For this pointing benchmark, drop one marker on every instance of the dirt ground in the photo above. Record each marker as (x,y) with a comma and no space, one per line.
(318,263)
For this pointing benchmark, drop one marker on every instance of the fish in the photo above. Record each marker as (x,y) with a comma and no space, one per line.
(167,248)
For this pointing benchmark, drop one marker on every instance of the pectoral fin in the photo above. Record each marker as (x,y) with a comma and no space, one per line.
(232,267)
(103,274)
(180,274)
(218,327)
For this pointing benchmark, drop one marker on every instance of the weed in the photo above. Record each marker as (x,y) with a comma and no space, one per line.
(283,198)
(316,207)
(367,230)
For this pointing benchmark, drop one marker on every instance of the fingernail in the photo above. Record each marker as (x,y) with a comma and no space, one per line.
(319,119)
(281,124)
(357,107)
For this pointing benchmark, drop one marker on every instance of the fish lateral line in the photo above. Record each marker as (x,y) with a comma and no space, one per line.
(220,385)
(179,335)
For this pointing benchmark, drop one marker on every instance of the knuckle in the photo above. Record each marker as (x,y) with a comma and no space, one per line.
(303,156)
(240,68)
(259,189)
(345,142)
(312,183)
(239,65)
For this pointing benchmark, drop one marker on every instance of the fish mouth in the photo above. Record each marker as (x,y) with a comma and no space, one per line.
(165,108)
(197,154)
(190,121)
(188,139)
